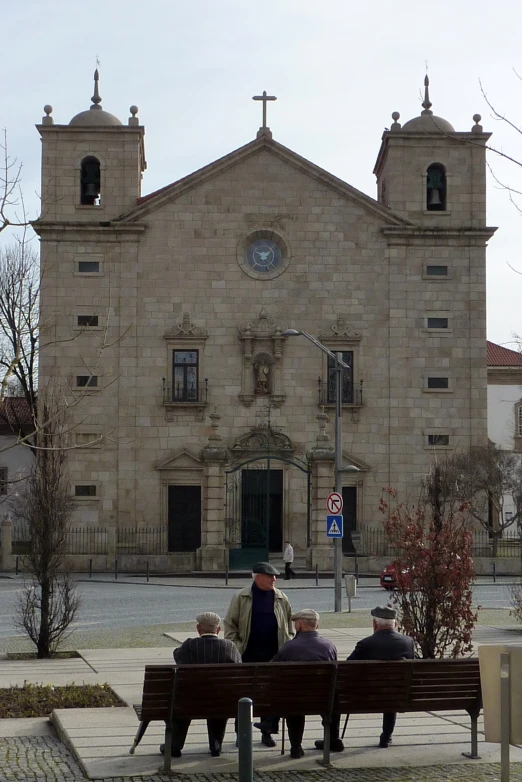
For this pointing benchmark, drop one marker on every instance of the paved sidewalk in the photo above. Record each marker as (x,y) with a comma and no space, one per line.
(426,746)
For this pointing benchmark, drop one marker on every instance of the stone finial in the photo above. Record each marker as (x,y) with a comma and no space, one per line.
(396,125)
(133,120)
(477,128)
(48,120)
(96,99)
(426,103)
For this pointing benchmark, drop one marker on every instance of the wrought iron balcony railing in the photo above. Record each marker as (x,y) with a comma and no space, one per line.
(181,394)
(352,397)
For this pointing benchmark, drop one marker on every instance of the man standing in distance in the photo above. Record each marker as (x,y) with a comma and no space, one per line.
(259,621)
(288,558)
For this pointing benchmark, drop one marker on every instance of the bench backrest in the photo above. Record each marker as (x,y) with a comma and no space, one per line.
(357,687)
(371,686)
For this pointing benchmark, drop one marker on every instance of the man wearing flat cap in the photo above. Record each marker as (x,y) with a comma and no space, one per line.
(207,648)
(385,644)
(259,621)
(307,646)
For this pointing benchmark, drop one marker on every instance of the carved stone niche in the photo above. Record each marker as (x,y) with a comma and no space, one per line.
(262,346)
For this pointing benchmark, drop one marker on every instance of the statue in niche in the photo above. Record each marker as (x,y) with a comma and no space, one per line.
(262,376)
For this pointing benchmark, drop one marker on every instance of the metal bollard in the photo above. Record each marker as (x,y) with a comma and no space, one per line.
(147,571)
(90,568)
(356,569)
(494,572)
(226,573)
(244,740)
(115,569)
(316,575)
(16,566)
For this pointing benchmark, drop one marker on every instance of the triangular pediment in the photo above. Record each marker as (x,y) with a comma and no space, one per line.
(177,189)
(181,461)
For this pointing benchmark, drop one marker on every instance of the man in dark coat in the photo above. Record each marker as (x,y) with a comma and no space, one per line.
(385,644)
(207,648)
(307,645)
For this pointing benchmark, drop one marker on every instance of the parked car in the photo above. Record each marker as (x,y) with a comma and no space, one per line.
(389,577)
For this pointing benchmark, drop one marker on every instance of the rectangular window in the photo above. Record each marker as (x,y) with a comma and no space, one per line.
(346,379)
(437,323)
(519,421)
(436,271)
(85,490)
(185,367)
(87,320)
(87,381)
(89,267)
(3,481)
(86,439)
(438,439)
(438,382)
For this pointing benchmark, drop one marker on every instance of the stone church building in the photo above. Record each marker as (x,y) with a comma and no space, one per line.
(164,316)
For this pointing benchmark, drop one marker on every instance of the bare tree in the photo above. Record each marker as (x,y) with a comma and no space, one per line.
(12,209)
(484,478)
(49,604)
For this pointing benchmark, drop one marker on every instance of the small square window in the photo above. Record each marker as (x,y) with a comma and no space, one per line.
(438,439)
(85,490)
(88,440)
(436,271)
(87,320)
(89,267)
(438,382)
(87,381)
(437,323)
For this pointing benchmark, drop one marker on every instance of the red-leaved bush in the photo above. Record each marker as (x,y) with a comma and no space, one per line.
(434,575)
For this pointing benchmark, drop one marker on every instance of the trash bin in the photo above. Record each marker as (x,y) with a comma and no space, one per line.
(489,658)
(351,586)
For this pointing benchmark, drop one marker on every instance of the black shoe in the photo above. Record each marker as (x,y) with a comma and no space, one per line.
(336,745)
(215,753)
(267,740)
(175,753)
(384,742)
(260,726)
(296,752)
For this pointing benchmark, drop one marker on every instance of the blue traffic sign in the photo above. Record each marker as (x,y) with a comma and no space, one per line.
(334,526)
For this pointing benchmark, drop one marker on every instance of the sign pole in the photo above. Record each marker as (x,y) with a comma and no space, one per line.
(338,550)
(505,715)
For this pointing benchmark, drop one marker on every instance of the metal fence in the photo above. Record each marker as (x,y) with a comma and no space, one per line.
(141,540)
(374,543)
(87,540)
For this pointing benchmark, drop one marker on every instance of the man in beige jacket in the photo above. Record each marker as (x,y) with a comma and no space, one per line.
(259,621)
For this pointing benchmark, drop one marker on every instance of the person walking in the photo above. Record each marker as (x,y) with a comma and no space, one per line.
(259,622)
(288,558)
(207,648)
(307,645)
(385,644)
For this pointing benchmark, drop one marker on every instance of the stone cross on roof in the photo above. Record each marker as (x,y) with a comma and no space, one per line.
(264,97)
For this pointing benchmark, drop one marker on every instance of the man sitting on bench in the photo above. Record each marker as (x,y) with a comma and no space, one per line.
(206,649)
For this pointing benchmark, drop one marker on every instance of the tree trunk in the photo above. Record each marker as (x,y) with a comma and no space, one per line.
(43,647)
(494,543)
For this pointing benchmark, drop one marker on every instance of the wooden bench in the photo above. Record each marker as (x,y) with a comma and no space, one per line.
(350,687)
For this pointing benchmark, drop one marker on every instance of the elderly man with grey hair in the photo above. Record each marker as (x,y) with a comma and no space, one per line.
(207,648)
(385,644)
(307,646)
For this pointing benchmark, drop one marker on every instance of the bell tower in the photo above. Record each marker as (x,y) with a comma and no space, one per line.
(92,167)
(431,174)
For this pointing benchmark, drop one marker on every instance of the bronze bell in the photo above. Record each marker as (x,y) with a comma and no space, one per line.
(91,190)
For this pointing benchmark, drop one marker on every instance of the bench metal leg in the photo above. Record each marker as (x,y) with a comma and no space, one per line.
(283,724)
(167,758)
(139,735)
(326,748)
(345,726)
(474,737)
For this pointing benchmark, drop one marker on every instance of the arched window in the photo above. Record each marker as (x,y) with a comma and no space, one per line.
(90,181)
(436,188)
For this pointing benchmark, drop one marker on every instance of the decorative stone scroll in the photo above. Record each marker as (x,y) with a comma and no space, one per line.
(340,331)
(262,343)
(263,439)
(185,329)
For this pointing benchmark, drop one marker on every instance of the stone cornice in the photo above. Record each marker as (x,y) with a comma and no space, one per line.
(505,376)
(400,235)
(106,231)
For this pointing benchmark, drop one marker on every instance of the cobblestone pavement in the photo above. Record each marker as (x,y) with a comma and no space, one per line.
(45,759)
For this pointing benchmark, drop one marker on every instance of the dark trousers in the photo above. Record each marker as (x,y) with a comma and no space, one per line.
(388,724)
(296,727)
(289,573)
(215,728)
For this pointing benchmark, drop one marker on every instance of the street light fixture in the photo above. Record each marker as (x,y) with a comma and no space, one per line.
(339,365)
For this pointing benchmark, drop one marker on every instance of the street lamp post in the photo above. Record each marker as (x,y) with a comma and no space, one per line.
(338,464)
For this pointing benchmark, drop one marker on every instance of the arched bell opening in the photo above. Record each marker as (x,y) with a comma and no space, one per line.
(436,188)
(90,181)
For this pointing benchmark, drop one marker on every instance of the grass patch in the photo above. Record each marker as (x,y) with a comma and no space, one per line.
(39,700)
(64,655)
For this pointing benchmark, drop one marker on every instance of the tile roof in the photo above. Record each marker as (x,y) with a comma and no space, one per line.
(503,357)
(15,414)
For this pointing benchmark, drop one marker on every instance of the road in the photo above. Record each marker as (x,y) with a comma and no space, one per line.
(109,604)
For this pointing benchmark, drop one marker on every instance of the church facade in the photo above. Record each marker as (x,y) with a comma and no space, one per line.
(192,412)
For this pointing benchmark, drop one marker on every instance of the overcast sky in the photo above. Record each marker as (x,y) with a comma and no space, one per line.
(338,70)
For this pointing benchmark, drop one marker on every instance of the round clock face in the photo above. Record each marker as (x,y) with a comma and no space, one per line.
(263,255)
